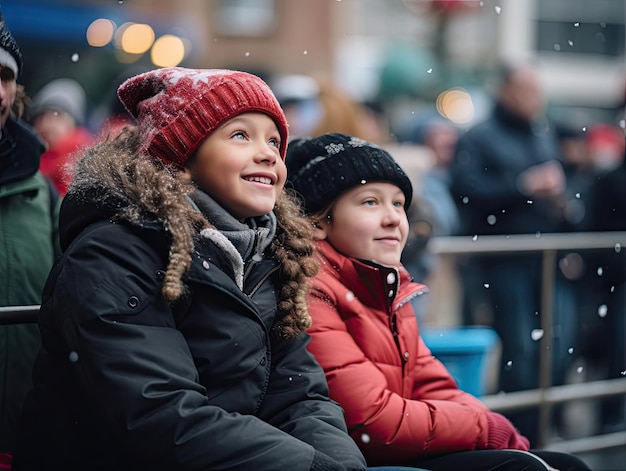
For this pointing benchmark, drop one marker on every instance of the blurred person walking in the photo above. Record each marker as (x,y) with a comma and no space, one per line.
(507,178)
(28,238)
(58,114)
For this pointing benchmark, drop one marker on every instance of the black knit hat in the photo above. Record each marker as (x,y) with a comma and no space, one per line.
(322,168)
(10,55)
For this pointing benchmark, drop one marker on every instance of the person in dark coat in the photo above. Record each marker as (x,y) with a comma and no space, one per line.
(507,178)
(174,323)
(28,238)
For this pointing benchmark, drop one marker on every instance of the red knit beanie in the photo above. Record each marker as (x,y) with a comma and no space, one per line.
(177,108)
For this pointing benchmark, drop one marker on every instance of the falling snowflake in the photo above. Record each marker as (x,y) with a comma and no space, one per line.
(536,334)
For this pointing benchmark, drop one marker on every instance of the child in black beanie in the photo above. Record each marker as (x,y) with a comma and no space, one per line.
(401,404)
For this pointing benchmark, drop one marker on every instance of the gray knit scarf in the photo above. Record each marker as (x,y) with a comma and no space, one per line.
(239,241)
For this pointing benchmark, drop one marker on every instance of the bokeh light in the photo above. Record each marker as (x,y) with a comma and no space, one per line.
(100,32)
(456,105)
(167,51)
(137,38)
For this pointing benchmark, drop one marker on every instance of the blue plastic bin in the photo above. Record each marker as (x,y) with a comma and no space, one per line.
(464,352)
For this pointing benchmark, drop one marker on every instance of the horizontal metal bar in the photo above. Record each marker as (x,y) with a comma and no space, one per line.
(527,242)
(586,444)
(555,394)
(18,314)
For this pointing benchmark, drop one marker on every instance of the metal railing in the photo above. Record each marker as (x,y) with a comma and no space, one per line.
(546,395)
(18,315)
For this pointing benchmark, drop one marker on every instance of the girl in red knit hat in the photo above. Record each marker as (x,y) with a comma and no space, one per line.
(401,404)
(174,323)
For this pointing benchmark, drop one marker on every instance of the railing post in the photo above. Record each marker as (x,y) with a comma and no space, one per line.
(545,395)
(548,279)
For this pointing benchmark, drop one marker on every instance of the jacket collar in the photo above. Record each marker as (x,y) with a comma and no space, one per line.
(378,286)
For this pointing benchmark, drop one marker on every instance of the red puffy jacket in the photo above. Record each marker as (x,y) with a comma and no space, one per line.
(400,402)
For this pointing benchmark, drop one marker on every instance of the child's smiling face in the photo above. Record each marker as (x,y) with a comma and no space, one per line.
(239,165)
(368,222)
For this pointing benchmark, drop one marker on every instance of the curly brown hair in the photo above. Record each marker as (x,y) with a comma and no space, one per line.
(22,100)
(137,185)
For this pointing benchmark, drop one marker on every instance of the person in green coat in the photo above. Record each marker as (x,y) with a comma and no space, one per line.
(28,237)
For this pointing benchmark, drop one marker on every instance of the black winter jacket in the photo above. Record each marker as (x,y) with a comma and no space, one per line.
(127,381)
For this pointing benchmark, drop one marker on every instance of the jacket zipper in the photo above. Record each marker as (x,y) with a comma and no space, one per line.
(262,280)
(393,325)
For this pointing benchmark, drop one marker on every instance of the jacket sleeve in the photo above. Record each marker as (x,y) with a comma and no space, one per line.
(438,417)
(298,403)
(137,374)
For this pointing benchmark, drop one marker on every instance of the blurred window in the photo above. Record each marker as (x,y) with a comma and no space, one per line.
(245,18)
(570,26)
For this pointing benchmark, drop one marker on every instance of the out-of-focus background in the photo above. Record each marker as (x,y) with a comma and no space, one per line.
(383,69)
(402,54)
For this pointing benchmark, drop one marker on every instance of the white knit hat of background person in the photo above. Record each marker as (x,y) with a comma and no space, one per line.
(63,94)
(10,55)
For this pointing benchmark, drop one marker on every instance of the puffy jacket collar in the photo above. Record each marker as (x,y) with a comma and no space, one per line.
(106,186)
(79,212)
(378,286)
